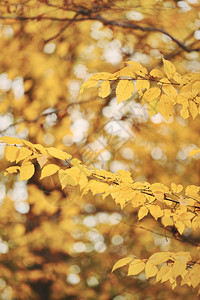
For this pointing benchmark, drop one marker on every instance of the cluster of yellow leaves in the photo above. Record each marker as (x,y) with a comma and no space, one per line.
(161,202)
(155,199)
(160,92)
(50,160)
(165,266)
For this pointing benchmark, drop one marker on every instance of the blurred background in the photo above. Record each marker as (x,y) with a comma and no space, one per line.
(55,246)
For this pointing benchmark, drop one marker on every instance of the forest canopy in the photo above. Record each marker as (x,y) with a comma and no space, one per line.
(99,149)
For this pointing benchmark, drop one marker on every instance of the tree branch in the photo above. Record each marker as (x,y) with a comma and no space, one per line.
(145,29)
(178,238)
(90,16)
(56,111)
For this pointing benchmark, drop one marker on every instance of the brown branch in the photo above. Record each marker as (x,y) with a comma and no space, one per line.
(88,16)
(56,111)
(63,8)
(180,238)
(177,238)
(147,29)
(147,191)
(35,18)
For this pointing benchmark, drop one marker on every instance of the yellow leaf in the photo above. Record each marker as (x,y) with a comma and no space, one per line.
(151,95)
(170,91)
(125,72)
(156,73)
(159,258)
(124,90)
(196,222)
(49,170)
(23,153)
(58,153)
(94,79)
(125,176)
(168,275)
(74,172)
(164,273)
(143,211)
(190,77)
(67,178)
(11,153)
(40,148)
(192,277)
(178,268)
(137,199)
(195,88)
(142,84)
(83,181)
(167,221)
(11,140)
(195,280)
(177,77)
(28,144)
(180,226)
(192,190)
(182,98)
(97,187)
(138,69)
(75,162)
(11,170)
(42,159)
(156,211)
(194,152)
(153,107)
(103,76)
(165,106)
(182,256)
(88,84)
(183,201)
(184,112)
(169,68)
(122,262)
(176,188)
(158,191)
(195,275)
(174,284)
(193,109)
(150,270)
(26,171)
(104,89)
(136,267)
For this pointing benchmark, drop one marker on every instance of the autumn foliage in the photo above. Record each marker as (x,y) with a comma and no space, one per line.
(100,104)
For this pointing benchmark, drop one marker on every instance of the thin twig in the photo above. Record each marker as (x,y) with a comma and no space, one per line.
(179,239)
(56,111)
(147,29)
(99,18)
(62,29)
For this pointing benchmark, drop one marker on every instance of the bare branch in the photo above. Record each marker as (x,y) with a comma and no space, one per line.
(178,237)
(56,111)
(89,16)
(147,29)
(62,29)
(37,18)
